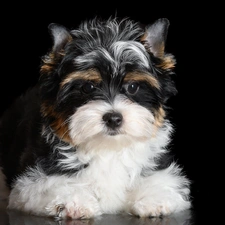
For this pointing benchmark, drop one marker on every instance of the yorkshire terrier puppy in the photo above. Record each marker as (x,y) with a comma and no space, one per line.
(92,136)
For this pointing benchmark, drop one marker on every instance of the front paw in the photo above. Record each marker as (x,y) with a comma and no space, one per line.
(74,209)
(142,209)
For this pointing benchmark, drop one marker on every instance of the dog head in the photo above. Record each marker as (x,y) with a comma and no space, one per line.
(107,82)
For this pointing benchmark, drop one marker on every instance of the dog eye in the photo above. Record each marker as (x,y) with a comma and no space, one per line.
(88,87)
(132,88)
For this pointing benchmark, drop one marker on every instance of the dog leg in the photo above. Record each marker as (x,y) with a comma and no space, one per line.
(162,193)
(56,196)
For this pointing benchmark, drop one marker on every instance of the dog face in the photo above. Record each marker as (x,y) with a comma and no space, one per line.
(107,82)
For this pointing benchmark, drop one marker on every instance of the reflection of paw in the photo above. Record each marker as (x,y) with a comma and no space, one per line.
(147,210)
(74,222)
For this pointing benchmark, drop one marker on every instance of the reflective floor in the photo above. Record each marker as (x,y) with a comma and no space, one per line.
(15,218)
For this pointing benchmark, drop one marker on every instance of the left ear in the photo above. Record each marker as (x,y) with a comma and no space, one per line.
(61,36)
(155,37)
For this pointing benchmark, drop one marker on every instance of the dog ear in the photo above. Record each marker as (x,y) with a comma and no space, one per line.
(155,37)
(60,36)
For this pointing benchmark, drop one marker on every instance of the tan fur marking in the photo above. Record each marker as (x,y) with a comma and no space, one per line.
(90,74)
(50,61)
(159,117)
(61,129)
(135,76)
(168,62)
(59,125)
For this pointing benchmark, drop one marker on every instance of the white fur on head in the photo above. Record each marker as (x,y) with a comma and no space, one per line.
(138,137)
(87,124)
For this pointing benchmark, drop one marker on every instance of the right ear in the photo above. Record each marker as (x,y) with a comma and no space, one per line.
(61,36)
(155,36)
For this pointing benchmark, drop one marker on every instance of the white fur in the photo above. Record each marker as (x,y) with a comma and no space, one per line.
(87,125)
(130,51)
(114,181)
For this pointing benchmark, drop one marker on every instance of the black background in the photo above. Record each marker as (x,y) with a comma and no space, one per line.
(25,39)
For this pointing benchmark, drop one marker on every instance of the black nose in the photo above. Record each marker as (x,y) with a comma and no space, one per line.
(113,119)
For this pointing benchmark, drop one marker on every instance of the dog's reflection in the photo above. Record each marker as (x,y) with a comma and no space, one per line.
(182,218)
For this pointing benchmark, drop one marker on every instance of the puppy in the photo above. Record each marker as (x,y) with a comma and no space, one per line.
(92,136)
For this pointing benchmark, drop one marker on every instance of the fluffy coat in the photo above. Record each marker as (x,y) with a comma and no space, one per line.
(91,137)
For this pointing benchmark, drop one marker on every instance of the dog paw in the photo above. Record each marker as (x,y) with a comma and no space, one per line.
(70,210)
(74,209)
(148,210)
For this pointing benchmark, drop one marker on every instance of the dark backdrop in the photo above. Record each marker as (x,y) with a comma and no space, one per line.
(25,38)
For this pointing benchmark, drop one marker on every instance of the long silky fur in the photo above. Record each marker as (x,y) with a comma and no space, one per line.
(58,154)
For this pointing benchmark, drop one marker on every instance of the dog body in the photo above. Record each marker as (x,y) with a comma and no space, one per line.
(91,137)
